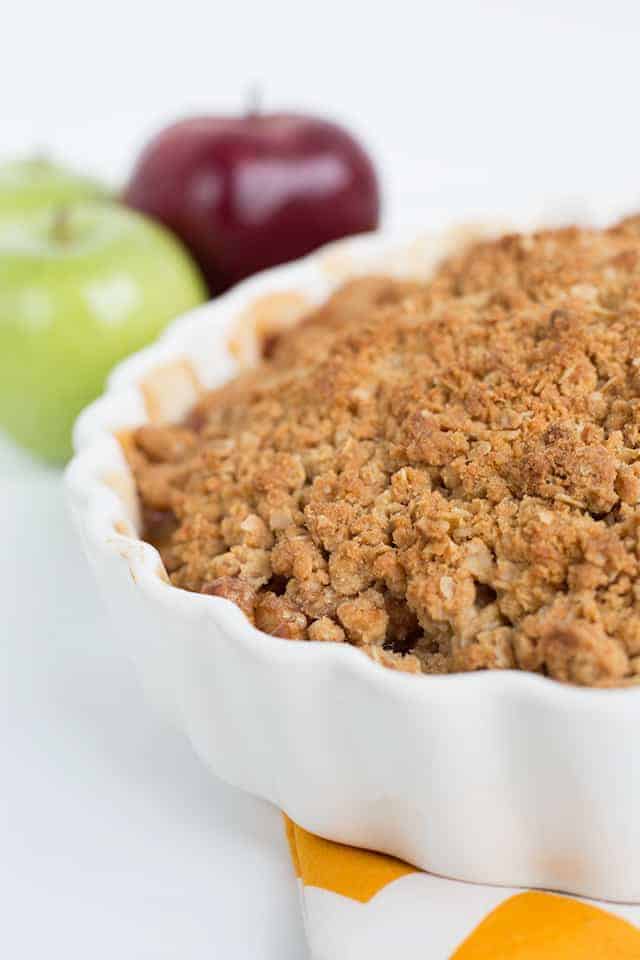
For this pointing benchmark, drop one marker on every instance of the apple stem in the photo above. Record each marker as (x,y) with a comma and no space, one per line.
(39,158)
(61,227)
(254,100)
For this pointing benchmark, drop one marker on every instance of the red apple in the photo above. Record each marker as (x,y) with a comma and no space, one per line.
(245,193)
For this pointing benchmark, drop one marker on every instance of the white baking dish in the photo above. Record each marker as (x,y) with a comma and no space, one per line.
(497,777)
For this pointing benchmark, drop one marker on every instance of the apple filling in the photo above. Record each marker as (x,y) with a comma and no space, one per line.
(444,474)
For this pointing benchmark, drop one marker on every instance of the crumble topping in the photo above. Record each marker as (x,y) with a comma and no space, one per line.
(445,474)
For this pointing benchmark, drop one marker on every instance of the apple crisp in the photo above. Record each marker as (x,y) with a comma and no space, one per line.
(444,474)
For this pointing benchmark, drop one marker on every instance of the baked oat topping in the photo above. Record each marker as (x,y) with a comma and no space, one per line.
(445,474)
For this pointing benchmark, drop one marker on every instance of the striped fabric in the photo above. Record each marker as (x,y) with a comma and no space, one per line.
(360,905)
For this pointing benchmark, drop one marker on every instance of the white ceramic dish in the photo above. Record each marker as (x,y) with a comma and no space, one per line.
(501,777)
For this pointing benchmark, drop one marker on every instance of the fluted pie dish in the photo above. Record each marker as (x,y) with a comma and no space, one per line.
(436,469)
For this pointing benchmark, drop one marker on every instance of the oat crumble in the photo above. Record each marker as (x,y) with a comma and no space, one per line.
(445,474)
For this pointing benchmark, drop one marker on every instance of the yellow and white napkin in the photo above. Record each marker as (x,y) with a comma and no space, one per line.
(360,905)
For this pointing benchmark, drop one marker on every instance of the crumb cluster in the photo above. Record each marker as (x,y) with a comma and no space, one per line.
(445,474)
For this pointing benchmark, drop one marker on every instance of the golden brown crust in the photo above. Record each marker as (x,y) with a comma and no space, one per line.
(446,474)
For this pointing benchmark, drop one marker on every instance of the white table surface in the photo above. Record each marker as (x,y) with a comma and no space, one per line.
(117,844)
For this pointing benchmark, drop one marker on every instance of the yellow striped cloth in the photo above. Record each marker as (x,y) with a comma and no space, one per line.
(360,905)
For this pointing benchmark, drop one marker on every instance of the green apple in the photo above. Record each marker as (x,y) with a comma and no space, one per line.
(80,288)
(37,182)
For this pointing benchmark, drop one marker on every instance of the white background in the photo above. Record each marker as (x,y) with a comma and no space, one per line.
(116,842)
